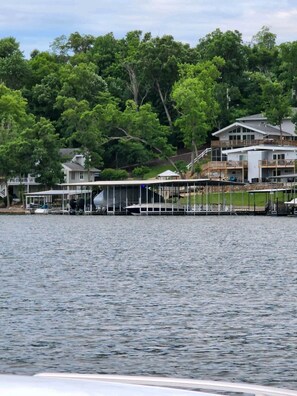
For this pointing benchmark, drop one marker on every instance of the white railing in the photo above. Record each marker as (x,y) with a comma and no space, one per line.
(22,180)
(180,383)
(2,190)
(200,156)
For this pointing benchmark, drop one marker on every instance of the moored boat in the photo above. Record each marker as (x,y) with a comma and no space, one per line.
(156,209)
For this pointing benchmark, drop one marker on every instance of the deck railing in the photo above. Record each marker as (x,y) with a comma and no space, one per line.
(221,165)
(21,180)
(277,163)
(246,143)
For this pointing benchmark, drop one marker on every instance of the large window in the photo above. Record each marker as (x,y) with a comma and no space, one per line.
(278,156)
(241,133)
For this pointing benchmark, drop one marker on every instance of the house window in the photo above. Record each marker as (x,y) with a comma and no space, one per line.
(248,137)
(278,156)
(72,174)
(81,175)
(234,137)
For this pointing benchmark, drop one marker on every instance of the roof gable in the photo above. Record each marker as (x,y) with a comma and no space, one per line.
(229,128)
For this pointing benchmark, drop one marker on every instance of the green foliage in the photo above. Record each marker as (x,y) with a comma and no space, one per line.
(198,168)
(14,70)
(276,103)
(43,144)
(140,171)
(195,98)
(129,100)
(228,46)
(181,167)
(114,174)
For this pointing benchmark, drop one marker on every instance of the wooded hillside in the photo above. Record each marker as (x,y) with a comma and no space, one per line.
(126,101)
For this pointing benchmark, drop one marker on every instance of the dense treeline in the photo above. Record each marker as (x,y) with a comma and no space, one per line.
(125,101)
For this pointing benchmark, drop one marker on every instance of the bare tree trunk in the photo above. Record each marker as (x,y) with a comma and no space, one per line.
(164,105)
(134,84)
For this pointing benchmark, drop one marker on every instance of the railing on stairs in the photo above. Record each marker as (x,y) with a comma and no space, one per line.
(200,156)
(2,190)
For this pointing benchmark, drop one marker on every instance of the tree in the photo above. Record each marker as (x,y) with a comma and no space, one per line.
(45,162)
(228,46)
(106,124)
(80,43)
(14,70)
(276,104)
(143,126)
(263,52)
(158,62)
(43,97)
(194,96)
(13,120)
(287,71)
(41,65)
(252,94)
(82,83)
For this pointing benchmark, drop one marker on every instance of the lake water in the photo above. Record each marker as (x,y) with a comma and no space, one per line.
(195,297)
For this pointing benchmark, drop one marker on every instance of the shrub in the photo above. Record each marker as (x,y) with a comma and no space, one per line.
(140,171)
(114,174)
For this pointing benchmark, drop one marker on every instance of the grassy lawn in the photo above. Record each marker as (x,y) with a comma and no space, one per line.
(236,198)
(156,170)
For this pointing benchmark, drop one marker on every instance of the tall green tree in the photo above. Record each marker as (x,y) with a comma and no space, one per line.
(14,119)
(158,61)
(82,83)
(263,52)
(287,71)
(45,161)
(195,98)
(14,70)
(276,104)
(230,47)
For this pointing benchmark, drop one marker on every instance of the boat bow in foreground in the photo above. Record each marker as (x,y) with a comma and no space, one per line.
(53,384)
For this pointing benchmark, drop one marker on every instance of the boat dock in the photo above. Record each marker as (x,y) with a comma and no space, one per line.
(190,197)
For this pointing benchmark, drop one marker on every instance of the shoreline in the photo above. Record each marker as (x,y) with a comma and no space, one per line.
(12,211)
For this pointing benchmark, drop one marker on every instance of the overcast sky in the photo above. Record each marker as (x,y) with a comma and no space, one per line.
(36,23)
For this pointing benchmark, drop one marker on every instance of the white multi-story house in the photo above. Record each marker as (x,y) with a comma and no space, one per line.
(259,163)
(253,150)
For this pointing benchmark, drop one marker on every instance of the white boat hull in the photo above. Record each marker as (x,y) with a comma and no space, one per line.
(156,209)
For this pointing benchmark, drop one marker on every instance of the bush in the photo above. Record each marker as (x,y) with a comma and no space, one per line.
(140,171)
(181,166)
(114,174)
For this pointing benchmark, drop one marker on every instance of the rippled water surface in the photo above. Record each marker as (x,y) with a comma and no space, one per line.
(197,297)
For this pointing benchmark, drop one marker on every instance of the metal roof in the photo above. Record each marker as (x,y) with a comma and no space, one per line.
(151,182)
(55,192)
(260,147)
(77,167)
(262,127)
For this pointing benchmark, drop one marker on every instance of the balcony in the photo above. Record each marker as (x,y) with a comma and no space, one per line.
(225,165)
(280,163)
(16,181)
